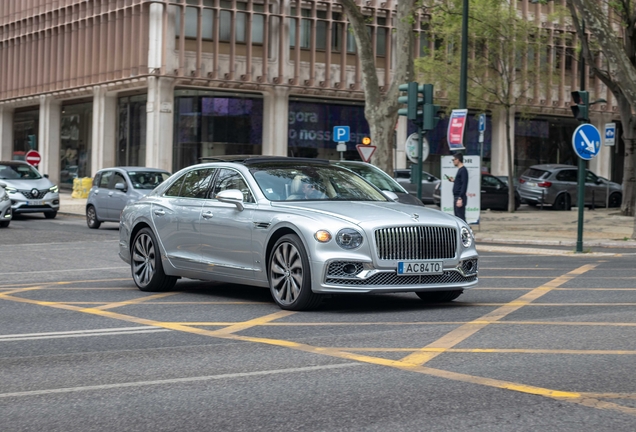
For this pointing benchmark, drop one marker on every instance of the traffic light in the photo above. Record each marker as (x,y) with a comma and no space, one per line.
(412,101)
(429,116)
(581,109)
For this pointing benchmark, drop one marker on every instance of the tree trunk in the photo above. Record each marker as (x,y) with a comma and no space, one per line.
(629,177)
(382,128)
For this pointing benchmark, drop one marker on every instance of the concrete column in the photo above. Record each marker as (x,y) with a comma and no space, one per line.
(49,137)
(499,151)
(103,139)
(160,123)
(400,148)
(275,121)
(602,164)
(6,133)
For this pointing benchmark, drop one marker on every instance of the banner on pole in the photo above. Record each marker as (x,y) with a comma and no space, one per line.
(456,126)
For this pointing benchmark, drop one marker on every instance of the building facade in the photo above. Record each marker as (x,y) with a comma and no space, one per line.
(168,83)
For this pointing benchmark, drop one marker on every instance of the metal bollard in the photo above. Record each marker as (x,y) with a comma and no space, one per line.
(542,193)
(592,208)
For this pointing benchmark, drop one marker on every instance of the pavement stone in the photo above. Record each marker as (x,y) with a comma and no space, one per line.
(528,226)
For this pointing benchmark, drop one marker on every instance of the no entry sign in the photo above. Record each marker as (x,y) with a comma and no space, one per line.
(33,157)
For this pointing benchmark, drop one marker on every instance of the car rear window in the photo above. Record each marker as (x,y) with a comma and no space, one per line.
(535,173)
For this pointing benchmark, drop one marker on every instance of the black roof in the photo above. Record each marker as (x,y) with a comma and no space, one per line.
(14,163)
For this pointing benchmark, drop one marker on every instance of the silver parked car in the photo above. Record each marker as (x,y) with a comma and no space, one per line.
(29,191)
(429,182)
(301,227)
(557,185)
(379,179)
(5,207)
(114,188)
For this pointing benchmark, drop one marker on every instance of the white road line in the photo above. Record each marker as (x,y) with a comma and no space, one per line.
(82,333)
(177,380)
(67,270)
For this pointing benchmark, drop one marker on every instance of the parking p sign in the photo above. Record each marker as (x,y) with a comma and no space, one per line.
(341,133)
(610,134)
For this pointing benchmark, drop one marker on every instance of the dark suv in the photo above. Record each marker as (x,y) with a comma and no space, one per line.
(556,185)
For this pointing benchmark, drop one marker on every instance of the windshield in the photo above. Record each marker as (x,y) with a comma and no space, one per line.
(375,176)
(147,179)
(287,182)
(18,171)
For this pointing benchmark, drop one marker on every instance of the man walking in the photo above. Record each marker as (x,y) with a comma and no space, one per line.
(460,186)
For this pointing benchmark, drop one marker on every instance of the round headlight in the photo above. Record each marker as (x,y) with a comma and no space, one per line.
(467,237)
(348,238)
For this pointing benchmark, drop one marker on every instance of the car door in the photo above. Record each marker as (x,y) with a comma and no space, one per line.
(494,193)
(100,198)
(176,218)
(118,198)
(595,190)
(226,231)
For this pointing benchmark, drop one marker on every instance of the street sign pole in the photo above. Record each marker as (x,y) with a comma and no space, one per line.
(418,177)
(581,204)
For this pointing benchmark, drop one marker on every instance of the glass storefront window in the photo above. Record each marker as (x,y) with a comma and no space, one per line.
(75,142)
(211,124)
(311,125)
(131,139)
(25,131)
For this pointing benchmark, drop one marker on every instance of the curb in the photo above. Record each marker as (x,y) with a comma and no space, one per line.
(627,244)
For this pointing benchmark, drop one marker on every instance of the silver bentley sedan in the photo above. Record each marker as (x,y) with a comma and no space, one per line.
(301,227)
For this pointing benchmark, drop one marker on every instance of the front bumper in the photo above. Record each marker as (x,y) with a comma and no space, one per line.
(49,203)
(5,211)
(340,276)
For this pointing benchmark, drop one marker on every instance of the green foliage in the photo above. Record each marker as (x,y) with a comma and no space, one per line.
(507,54)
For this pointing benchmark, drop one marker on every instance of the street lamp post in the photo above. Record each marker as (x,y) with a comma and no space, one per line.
(463,77)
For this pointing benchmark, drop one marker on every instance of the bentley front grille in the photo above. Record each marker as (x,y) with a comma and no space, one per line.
(416,243)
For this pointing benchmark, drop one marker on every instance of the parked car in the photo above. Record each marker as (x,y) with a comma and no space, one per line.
(494,194)
(379,179)
(429,181)
(113,188)
(557,185)
(302,227)
(29,191)
(504,178)
(5,207)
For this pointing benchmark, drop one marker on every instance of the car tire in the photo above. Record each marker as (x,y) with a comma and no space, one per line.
(50,215)
(5,224)
(615,199)
(562,202)
(290,276)
(145,263)
(91,218)
(439,296)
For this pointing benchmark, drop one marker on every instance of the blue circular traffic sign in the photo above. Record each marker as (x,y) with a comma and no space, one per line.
(586,141)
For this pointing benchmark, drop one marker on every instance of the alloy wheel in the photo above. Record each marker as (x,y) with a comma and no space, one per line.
(286,272)
(143,260)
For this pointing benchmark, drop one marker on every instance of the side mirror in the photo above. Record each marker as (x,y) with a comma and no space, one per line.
(46,176)
(231,196)
(121,187)
(3,185)
(390,195)
(599,181)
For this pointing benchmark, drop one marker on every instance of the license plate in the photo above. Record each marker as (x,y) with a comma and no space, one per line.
(532,184)
(35,202)
(420,268)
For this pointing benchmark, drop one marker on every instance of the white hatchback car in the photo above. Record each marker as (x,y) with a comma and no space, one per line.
(29,191)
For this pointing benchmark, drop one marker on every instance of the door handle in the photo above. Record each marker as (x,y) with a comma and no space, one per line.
(159,212)
(483,191)
(207,215)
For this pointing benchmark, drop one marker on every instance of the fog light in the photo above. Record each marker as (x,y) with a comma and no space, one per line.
(55,202)
(469,266)
(349,269)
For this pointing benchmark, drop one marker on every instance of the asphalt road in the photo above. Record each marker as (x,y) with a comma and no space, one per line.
(544,343)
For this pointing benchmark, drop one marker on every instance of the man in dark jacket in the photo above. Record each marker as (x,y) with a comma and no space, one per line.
(460,186)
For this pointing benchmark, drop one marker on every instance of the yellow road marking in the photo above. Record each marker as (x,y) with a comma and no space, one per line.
(253,323)
(460,334)
(136,301)
(68,282)
(19,290)
(494,351)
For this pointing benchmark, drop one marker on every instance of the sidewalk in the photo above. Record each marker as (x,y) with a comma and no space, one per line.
(528,226)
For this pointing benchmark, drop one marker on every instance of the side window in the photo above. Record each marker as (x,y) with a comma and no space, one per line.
(490,182)
(96,179)
(118,178)
(106,176)
(173,190)
(590,177)
(196,183)
(567,175)
(230,179)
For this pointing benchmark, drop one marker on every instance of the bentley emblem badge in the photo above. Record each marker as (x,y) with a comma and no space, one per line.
(415,217)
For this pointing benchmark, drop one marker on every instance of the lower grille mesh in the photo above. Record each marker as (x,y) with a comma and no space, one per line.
(392,279)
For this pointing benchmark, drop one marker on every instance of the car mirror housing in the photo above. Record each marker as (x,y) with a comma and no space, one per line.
(390,195)
(231,196)
(121,187)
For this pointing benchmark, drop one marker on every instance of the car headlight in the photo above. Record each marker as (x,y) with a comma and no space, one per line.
(10,189)
(348,238)
(53,189)
(467,237)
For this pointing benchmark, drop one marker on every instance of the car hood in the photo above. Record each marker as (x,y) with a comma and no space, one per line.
(367,214)
(42,183)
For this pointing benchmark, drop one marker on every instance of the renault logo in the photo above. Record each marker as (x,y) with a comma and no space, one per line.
(35,193)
